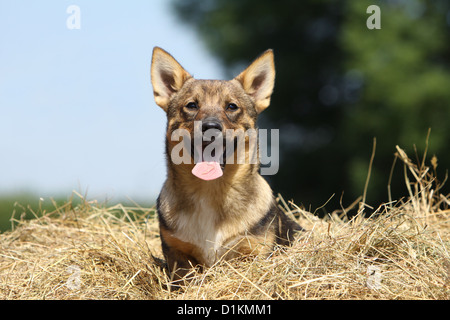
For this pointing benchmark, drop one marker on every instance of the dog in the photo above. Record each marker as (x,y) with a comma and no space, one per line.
(209,210)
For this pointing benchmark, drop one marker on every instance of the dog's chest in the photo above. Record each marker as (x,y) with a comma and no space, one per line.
(201,228)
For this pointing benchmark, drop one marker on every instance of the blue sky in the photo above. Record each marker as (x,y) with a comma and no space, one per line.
(76,106)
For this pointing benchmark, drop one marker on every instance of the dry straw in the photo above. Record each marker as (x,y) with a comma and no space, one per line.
(90,251)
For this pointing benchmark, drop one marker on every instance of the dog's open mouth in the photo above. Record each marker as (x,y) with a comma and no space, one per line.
(209,158)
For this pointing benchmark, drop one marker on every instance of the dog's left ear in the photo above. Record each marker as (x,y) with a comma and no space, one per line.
(258,80)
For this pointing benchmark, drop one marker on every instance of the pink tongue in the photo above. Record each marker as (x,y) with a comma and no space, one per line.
(207,170)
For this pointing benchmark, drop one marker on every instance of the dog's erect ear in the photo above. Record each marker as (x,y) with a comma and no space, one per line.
(168,76)
(258,80)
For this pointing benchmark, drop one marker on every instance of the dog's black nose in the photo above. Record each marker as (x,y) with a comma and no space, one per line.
(211,124)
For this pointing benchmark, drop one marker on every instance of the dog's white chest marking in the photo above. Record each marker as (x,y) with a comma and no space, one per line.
(200,228)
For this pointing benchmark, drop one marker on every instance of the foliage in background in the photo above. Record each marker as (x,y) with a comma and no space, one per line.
(17,208)
(339,85)
(23,206)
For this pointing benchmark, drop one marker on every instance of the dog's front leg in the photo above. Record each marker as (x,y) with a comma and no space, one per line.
(179,257)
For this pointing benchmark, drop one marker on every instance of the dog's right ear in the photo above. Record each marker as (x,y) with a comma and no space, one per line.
(168,76)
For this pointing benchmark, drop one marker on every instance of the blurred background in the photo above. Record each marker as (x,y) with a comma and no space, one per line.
(77,109)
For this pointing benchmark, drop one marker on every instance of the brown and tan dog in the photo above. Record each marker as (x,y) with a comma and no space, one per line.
(230,210)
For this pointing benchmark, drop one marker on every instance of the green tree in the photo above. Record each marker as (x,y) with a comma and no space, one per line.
(339,84)
(404,72)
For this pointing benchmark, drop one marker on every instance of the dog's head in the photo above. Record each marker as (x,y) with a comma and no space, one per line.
(204,106)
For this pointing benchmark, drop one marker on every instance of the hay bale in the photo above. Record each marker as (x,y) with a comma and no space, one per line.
(86,252)
(95,252)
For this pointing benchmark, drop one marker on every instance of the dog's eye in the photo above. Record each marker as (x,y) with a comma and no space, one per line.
(192,106)
(232,107)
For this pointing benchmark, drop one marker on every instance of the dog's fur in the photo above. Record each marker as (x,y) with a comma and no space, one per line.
(202,221)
